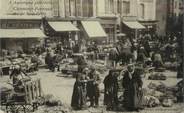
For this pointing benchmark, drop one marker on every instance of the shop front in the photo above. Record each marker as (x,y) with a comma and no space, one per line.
(17,37)
(109,23)
(132,28)
(18,34)
(94,32)
(63,31)
(151,26)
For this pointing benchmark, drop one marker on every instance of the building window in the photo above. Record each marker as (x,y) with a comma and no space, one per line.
(82,8)
(90,13)
(85,8)
(72,7)
(67,8)
(175,4)
(126,7)
(55,7)
(79,7)
(109,6)
(119,6)
(142,10)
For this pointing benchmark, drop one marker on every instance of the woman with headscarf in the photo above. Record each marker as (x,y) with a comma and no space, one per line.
(111,89)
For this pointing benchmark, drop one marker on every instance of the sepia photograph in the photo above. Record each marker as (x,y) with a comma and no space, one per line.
(91,56)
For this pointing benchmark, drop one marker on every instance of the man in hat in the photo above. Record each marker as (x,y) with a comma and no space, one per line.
(93,90)
(132,84)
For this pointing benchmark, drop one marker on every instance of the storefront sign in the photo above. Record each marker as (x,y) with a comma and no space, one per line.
(26,7)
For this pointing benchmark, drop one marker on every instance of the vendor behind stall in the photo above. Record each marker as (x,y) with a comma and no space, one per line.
(35,61)
(18,78)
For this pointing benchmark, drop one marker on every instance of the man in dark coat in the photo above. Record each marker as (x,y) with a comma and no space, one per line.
(132,84)
(93,90)
(111,90)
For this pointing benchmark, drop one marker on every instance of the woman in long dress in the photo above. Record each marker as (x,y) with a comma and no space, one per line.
(111,89)
(133,95)
(79,91)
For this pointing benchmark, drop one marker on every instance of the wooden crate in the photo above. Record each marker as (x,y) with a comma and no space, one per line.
(28,100)
(32,91)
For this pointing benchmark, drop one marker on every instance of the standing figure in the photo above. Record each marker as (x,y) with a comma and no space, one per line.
(35,61)
(93,90)
(81,63)
(79,91)
(111,90)
(132,84)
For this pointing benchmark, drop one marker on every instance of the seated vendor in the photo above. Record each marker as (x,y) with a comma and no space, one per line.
(18,78)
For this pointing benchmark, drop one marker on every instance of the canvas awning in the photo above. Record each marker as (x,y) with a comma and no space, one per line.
(134,24)
(21,33)
(63,26)
(93,29)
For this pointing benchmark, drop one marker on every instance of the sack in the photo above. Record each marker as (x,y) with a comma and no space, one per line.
(167,103)
(151,101)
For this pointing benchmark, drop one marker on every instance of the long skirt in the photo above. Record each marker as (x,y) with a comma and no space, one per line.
(78,96)
(133,98)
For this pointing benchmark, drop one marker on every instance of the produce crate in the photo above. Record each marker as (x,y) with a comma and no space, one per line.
(26,100)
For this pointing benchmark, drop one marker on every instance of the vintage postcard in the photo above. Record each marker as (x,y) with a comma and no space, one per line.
(91,56)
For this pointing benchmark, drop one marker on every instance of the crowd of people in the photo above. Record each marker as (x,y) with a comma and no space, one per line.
(87,88)
(126,52)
